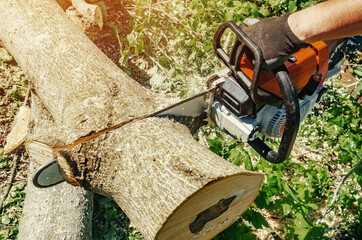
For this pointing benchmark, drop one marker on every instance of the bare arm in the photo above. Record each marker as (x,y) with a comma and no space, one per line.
(332,19)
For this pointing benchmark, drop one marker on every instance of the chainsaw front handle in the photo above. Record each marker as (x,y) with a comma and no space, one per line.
(244,46)
(292,121)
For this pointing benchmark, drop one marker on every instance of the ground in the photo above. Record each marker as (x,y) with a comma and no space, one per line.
(13,87)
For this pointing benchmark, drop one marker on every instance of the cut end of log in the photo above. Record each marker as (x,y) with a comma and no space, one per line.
(40,152)
(91,12)
(99,17)
(213,208)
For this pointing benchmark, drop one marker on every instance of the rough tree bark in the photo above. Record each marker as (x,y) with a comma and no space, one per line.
(168,185)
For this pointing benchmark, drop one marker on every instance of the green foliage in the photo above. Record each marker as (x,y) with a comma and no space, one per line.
(4,161)
(179,43)
(13,86)
(336,127)
(11,211)
(339,125)
(109,221)
(134,234)
(12,206)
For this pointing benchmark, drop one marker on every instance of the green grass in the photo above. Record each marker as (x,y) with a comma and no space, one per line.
(11,211)
(109,221)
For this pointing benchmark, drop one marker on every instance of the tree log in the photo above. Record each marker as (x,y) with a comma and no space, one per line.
(59,212)
(168,185)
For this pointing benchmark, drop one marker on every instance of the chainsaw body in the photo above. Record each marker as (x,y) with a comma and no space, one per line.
(267,98)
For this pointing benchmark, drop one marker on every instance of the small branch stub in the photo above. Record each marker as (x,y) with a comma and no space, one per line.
(88,16)
(40,152)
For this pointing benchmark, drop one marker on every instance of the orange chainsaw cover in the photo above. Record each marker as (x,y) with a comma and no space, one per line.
(309,60)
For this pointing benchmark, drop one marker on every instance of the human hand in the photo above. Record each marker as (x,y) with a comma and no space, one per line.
(274,37)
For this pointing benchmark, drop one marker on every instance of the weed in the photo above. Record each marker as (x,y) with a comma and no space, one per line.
(11,212)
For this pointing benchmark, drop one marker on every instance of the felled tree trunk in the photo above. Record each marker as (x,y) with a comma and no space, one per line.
(59,212)
(168,185)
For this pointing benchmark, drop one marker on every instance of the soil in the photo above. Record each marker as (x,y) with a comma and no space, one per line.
(13,87)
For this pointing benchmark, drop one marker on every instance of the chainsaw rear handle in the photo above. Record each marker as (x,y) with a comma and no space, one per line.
(292,122)
(244,46)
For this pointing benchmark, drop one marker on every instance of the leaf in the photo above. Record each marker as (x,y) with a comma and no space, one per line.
(272,186)
(301,226)
(358,90)
(292,6)
(261,200)
(4,163)
(289,190)
(303,193)
(235,157)
(248,236)
(357,72)
(317,232)
(272,181)
(111,234)
(20,186)
(236,231)
(238,155)
(215,145)
(302,233)
(264,11)
(111,213)
(258,220)
(286,208)
(229,15)
(248,162)
(289,232)
(5,219)
(313,206)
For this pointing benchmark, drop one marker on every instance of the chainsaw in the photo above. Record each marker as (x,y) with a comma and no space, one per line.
(251,99)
